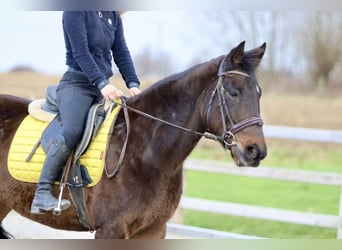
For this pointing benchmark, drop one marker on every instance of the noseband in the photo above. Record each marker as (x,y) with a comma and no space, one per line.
(228,136)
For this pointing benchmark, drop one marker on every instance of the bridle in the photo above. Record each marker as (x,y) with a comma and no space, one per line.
(228,138)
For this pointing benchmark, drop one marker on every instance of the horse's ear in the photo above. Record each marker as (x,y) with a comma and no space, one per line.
(236,54)
(254,56)
(234,57)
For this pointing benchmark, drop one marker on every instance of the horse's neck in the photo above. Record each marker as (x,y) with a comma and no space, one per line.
(175,102)
(178,103)
(178,94)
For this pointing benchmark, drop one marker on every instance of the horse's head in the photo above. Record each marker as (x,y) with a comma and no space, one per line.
(234,108)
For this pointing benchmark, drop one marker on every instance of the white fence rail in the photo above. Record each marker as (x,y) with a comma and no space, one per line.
(274,214)
(304,134)
(177,231)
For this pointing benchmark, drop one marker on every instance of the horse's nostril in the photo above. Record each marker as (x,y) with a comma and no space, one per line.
(253,152)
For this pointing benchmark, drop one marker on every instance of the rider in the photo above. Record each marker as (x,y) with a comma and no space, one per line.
(92,40)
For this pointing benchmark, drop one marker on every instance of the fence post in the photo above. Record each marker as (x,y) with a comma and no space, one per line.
(339,224)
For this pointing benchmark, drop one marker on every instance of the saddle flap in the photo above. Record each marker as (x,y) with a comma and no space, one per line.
(52,130)
(95,118)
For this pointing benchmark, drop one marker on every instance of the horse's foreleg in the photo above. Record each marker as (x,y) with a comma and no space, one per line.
(4,210)
(154,232)
(110,233)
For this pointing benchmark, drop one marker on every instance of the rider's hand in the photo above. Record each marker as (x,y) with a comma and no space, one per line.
(110,92)
(134,91)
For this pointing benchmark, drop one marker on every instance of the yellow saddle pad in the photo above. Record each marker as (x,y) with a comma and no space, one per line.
(30,131)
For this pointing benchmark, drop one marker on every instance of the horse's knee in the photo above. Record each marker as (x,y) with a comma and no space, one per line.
(156,232)
(111,233)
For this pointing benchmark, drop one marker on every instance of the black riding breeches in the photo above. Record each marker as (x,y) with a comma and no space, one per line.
(75,96)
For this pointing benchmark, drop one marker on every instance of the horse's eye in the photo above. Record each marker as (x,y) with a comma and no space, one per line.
(233,92)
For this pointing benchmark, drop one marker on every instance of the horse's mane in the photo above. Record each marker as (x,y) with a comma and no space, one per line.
(196,70)
(183,80)
(177,76)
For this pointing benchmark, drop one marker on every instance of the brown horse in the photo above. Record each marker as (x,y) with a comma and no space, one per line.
(218,99)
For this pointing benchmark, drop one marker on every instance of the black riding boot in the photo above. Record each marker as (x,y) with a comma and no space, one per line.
(55,160)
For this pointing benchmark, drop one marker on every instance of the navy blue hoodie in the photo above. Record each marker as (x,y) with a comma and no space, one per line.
(92,40)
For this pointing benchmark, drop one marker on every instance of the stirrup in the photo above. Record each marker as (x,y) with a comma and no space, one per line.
(58,210)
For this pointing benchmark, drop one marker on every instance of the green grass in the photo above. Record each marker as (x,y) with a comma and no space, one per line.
(263,192)
(267,192)
(261,228)
(324,157)
(285,154)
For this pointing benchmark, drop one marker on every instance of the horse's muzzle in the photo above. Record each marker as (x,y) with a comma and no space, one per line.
(250,156)
(253,155)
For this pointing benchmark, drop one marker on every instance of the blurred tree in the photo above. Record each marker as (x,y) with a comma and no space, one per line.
(226,29)
(144,62)
(299,44)
(22,68)
(150,65)
(259,27)
(322,45)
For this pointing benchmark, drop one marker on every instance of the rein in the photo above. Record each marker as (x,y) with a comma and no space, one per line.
(206,134)
(235,127)
(228,136)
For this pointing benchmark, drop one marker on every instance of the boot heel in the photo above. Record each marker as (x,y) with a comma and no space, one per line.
(37,210)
